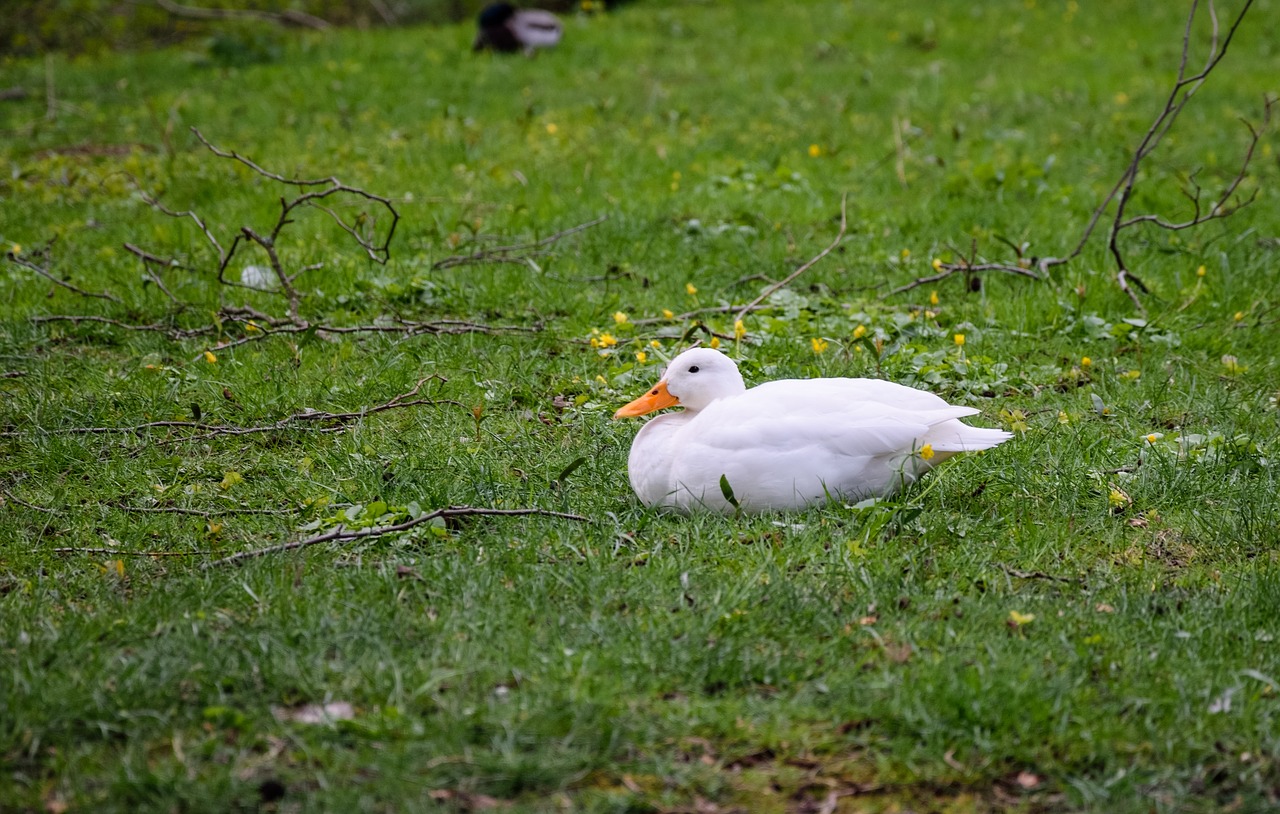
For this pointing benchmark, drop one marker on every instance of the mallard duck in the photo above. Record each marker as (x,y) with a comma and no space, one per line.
(786,444)
(503,27)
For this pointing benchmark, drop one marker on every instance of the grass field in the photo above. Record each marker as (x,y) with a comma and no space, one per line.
(1084,619)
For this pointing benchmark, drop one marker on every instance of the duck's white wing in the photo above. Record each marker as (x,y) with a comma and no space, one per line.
(535,28)
(792,443)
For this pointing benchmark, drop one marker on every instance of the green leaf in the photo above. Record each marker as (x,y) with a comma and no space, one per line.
(727,491)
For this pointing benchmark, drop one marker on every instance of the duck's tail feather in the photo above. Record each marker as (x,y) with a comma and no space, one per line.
(955,436)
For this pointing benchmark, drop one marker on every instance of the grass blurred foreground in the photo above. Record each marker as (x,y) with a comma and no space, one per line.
(1084,619)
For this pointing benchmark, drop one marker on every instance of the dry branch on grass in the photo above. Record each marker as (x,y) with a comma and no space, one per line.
(1227,202)
(318,421)
(520,253)
(344,534)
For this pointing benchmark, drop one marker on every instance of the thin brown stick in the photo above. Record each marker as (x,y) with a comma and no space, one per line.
(516,252)
(768,292)
(13,374)
(298,421)
(288,16)
(26,264)
(1013,572)
(124,552)
(343,534)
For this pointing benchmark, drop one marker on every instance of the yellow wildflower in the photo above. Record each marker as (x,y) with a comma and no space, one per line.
(668,313)
(926,452)
(1202,271)
(552,129)
(959,340)
(1063,418)
(209,357)
(1017,620)
(690,289)
(653,343)
(933,295)
(16,248)
(619,318)
(905,253)
(739,330)
(595,343)
(1117,498)
(1153,437)
(859,331)
(715,342)
(814,151)
(1239,315)
(607,341)
(641,357)
(1085,361)
(937,264)
(819,344)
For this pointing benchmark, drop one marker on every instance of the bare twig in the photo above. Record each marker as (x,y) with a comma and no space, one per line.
(43,272)
(515,253)
(768,292)
(288,16)
(1013,572)
(13,374)
(306,420)
(124,552)
(343,534)
(1184,87)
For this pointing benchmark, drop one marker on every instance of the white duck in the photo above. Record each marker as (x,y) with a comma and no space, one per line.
(503,27)
(786,444)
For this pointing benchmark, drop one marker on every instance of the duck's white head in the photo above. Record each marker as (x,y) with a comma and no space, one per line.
(693,380)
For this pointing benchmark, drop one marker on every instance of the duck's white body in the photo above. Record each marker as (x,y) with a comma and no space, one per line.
(787,444)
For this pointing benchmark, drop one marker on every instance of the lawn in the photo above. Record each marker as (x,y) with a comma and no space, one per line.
(1083,619)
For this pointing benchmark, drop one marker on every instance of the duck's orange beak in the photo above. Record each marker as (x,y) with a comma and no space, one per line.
(655,399)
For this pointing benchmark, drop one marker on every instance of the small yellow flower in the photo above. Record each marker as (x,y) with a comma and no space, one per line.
(859,331)
(819,344)
(1153,437)
(933,295)
(595,343)
(1239,315)
(642,357)
(905,253)
(552,128)
(16,248)
(959,340)
(1232,364)
(251,327)
(607,341)
(1085,361)
(601,379)
(690,289)
(937,264)
(1202,271)
(739,330)
(1131,375)
(619,318)
(667,313)
(653,343)
(715,342)
(1017,619)
(1122,98)
(926,452)
(1063,418)
(1117,498)
(209,357)
(814,151)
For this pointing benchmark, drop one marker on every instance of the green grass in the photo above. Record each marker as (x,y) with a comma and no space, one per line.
(641,661)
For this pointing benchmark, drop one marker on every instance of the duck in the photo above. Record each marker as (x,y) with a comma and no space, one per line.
(505,28)
(787,444)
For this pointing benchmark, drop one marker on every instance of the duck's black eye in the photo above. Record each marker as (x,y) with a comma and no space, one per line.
(693,369)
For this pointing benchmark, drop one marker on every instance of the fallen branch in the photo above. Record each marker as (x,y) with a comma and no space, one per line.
(1013,572)
(305,420)
(43,272)
(768,292)
(1184,87)
(516,253)
(117,552)
(343,534)
(288,16)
